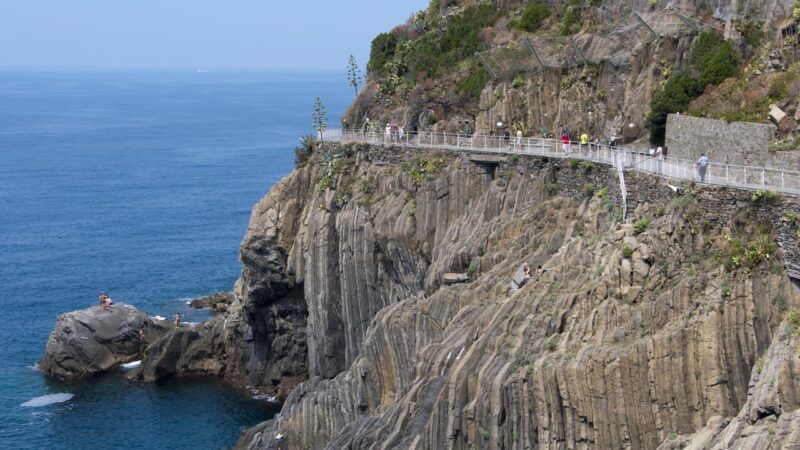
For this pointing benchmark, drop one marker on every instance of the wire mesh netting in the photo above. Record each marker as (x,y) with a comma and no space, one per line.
(627,24)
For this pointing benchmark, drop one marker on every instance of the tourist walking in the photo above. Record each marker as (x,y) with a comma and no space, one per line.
(565,142)
(613,141)
(584,142)
(507,138)
(702,166)
(519,140)
(659,158)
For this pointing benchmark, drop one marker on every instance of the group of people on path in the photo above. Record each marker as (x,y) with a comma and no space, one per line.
(585,142)
(394,133)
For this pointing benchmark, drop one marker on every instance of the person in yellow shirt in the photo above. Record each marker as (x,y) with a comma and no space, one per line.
(584,142)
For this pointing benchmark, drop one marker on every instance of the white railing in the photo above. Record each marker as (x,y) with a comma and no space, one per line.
(739,177)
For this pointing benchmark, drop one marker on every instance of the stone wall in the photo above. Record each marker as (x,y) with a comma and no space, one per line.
(737,143)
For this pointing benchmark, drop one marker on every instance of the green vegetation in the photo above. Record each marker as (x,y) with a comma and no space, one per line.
(319,118)
(353,73)
(627,252)
(764,197)
(384,47)
(588,188)
(368,187)
(785,146)
(422,169)
(435,52)
(551,188)
(532,18)
(324,183)
(473,267)
(641,225)
(678,92)
(571,20)
(518,82)
(793,323)
(471,86)
(304,150)
(748,255)
(587,166)
(712,59)
(574,163)
(780,302)
(602,193)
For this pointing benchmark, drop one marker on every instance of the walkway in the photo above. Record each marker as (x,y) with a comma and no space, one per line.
(739,177)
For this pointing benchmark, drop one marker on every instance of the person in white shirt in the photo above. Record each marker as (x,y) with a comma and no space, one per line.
(702,166)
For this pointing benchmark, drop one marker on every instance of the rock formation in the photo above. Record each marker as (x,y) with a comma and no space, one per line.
(97,339)
(217,303)
(634,335)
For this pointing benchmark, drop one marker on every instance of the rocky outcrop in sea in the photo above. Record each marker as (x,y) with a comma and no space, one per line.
(98,339)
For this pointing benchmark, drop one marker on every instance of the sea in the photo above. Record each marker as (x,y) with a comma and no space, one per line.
(138,183)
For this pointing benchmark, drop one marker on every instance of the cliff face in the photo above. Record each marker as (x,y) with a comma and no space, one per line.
(633,336)
(598,74)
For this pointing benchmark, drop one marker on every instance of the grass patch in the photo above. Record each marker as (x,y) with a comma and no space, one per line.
(422,169)
(641,225)
(627,252)
(793,323)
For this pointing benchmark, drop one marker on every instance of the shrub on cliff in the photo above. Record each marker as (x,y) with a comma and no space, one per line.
(712,60)
(304,150)
(532,18)
(383,50)
(679,91)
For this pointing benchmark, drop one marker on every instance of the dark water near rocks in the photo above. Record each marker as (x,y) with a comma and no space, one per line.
(139,184)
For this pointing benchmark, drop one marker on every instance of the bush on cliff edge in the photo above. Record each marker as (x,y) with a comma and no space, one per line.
(712,60)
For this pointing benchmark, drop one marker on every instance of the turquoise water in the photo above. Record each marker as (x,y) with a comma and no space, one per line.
(139,184)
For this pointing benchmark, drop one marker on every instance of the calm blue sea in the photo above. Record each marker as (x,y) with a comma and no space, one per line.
(139,184)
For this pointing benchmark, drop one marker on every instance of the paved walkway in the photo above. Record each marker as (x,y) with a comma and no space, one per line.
(739,177)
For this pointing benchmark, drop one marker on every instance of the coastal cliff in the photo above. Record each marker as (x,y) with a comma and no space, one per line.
(636,333)
(376,300)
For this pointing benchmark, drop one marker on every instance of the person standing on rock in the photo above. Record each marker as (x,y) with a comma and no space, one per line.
(178,320)
(141,340)
(702,166)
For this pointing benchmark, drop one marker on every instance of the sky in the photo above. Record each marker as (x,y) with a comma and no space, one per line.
(207,34)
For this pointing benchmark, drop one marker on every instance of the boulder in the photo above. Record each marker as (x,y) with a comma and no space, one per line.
(454,278)
(183,351)
(97,339)
(216,302)
(776,114)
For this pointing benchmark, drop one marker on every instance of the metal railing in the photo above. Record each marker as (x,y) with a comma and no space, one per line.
(739,177)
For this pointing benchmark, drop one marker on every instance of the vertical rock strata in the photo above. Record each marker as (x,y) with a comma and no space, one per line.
(634,336)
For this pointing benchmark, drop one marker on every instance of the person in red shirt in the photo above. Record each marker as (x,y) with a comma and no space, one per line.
(565,142)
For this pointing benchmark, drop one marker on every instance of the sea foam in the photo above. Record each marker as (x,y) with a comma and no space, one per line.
(45,400)
(131,365)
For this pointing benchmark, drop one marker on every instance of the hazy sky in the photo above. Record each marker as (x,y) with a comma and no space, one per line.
(298,34)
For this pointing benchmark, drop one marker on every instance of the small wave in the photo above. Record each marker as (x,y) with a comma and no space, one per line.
(159,317)
(131,365)
(45,400)
(267,397)
(34,367)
